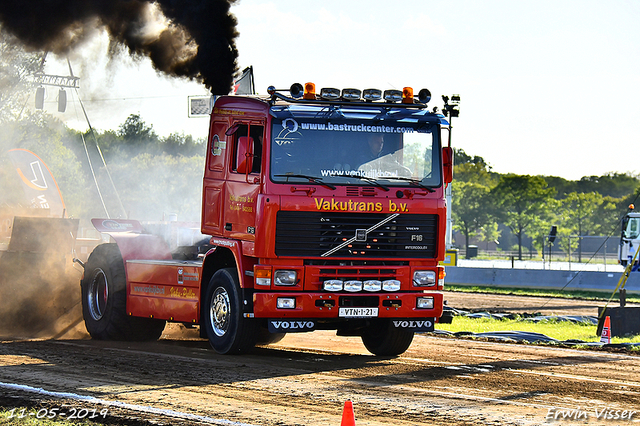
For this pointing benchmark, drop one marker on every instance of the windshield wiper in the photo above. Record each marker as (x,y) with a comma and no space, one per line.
(371,180)
(412,181)
(311,179)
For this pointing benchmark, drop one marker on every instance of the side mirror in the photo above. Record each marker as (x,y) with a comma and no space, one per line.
(245,155)
(447,164)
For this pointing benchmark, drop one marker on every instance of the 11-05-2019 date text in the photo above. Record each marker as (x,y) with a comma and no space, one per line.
(64,411)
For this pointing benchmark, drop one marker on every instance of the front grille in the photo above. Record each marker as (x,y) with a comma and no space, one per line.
(314,234)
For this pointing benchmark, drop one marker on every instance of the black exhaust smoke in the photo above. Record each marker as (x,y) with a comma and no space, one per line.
(183,38)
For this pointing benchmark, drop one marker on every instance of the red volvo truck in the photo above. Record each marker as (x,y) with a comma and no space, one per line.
(326,211)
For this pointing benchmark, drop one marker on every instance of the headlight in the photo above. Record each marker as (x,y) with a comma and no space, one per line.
(372,94)
(332,285)
(286,303)
(353,285)
(391,285)
(424,303)
(283,277)
(424,278)
(372,285)
(330,93)
(351,94)
(392,95)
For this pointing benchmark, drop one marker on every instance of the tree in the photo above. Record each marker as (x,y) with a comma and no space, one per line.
(134,137)
(577,215)
(135,130)
(182,145)
(472,169)
(474,172)
(461,157)
(43,135)
(608,215)
(154,186)
(470,209)
(562,186)
(522,201)
(612,184)
(16,71)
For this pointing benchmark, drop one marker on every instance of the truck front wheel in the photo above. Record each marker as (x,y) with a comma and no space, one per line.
(104,300)
(227,329)
(382,339)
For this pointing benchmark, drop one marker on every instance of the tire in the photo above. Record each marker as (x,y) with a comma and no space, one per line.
(382,339)
(227,329)
(104,300)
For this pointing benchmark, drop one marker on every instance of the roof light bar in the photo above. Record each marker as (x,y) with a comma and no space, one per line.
(406,95)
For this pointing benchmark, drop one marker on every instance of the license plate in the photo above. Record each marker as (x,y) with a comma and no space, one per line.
(357,312)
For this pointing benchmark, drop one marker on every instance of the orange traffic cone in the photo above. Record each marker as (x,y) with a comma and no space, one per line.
(606,331)
(348,417)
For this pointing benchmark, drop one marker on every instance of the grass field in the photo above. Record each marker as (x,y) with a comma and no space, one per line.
(559,330)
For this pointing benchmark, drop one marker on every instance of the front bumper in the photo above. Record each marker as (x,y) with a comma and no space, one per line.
(322,305)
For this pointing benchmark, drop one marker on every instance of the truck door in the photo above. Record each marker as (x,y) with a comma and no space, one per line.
(244,181)
(215,176)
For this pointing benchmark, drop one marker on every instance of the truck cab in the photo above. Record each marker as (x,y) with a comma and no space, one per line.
(630,238)
(326,211)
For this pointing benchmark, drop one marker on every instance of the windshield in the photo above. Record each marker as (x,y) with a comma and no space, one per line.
(633,228)
(355,152)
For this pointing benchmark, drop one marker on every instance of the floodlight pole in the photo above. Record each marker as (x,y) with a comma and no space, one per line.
(42,79)
(451,111)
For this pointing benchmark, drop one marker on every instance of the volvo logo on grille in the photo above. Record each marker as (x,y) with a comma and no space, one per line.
(361,233)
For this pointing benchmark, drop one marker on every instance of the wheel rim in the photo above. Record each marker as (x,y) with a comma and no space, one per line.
(98,294)
(220,312)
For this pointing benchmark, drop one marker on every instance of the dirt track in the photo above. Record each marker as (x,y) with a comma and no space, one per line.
(526,304)
(306,378)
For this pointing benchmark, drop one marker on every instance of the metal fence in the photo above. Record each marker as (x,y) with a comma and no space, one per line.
(590,250)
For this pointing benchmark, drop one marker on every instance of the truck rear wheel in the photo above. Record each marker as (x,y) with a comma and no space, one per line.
(382,339)
(104,300)
(227,329)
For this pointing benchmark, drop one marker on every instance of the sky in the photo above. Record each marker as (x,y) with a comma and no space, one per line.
(547,87)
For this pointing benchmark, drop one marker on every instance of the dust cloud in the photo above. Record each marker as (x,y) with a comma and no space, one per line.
(195,39)
(39,285)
